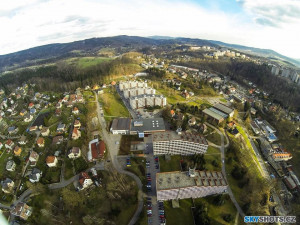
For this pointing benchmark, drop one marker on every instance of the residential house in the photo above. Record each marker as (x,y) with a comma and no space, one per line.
(58,140)
(61,128)
(10,165)
(172,113)
(84,180)
(23,140)
(58,112)
(33,158)
(77,124)
(12,130)
(23,112)
(76,134)
(9,144)
(28,118)
(7,185)
(185,94)
(35,175)
(45,131)
(75,110)
(192,121)
(22,210)
(31,105)
(74,153)
(40,142)
(234,132)
(96,150)
(17,151)
(51,161)
(33,128)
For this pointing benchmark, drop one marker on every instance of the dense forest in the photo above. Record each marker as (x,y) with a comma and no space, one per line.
(65,77)
(284,92)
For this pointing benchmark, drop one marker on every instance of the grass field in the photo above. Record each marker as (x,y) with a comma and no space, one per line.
(172,96)
(214,137)
(179,216)
(215,212)
(112,105)
(84,62)
(170,165)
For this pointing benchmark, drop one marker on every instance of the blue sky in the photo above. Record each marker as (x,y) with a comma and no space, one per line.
(273,24)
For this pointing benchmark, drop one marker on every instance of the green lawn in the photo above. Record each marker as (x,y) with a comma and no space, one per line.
(216,212)
(212,150)
(170,165)
(84,62)
(112,105)
(214,137)
(179,216)
(172,95)
(138,167)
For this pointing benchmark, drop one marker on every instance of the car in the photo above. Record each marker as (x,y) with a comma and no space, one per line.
(149,198)
(128,163)
(148,178)
(149,221)
(156,158)
(149,211)
(148,175)
(161,213)
(157,166)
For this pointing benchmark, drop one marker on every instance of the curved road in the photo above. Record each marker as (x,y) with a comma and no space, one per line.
(111,141)
(222,148)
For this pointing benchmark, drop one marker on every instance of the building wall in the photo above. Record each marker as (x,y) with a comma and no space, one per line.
(178,147)
(189,192)
(131,84)
(149,100)
(132,92)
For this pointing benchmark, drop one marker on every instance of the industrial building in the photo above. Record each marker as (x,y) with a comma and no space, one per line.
(218,113)
(191,184)
(172,143)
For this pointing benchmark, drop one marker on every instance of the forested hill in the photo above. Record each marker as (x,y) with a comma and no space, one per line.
(91,46)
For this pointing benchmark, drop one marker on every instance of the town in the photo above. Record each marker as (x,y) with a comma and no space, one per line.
(178,137)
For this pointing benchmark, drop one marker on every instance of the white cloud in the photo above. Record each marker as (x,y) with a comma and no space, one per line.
(43,22)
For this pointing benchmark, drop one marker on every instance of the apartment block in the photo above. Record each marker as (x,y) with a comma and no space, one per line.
(191,184)
(142,101)
(132,92)
(172,143)
(123,85)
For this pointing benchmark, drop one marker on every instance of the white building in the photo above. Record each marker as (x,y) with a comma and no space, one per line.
(171,143)
(142,101)
(275,70)
(132,92)
(192,184)
(123,85)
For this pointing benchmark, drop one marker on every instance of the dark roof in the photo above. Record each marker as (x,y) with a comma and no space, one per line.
(223,108)
(147,125)
(121,124)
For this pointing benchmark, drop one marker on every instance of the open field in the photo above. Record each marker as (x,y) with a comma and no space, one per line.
(179,216)
(170,165)
(214,137)
(84,62)
(215,211)
(112,105)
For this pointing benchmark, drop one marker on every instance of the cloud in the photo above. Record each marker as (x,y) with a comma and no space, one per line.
(275,13)
(39,22)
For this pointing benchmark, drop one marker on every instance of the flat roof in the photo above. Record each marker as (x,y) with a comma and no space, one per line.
(184,136)
(147,125)
(121,124)
(178,179)
(223,108)
(212,114)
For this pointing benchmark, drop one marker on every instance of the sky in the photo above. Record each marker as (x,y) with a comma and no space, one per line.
(271,24)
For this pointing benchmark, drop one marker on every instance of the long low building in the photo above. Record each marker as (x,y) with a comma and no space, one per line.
(172,143)
(218,113)
(132,92)
(143,101)
(191,184)
(123,85)
(126,126)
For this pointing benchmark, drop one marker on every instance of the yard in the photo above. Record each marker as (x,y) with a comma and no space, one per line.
(179,216)
(112,105)
(170,165)
(113,203)
(214,137)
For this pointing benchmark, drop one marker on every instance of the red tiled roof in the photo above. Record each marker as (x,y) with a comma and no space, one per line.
(98,149)
(40,141)
(50,159)
(82,177)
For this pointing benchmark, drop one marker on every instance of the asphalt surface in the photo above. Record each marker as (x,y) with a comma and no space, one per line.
(110,141)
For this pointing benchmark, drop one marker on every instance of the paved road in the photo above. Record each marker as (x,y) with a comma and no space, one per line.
(113,148)
(229,191)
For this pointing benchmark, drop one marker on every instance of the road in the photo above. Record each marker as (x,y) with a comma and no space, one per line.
(110,141)
(229,191)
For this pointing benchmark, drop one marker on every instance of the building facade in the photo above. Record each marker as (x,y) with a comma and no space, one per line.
(132,92)
(123,85)
(142,101)
(171,143)
(192,184)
